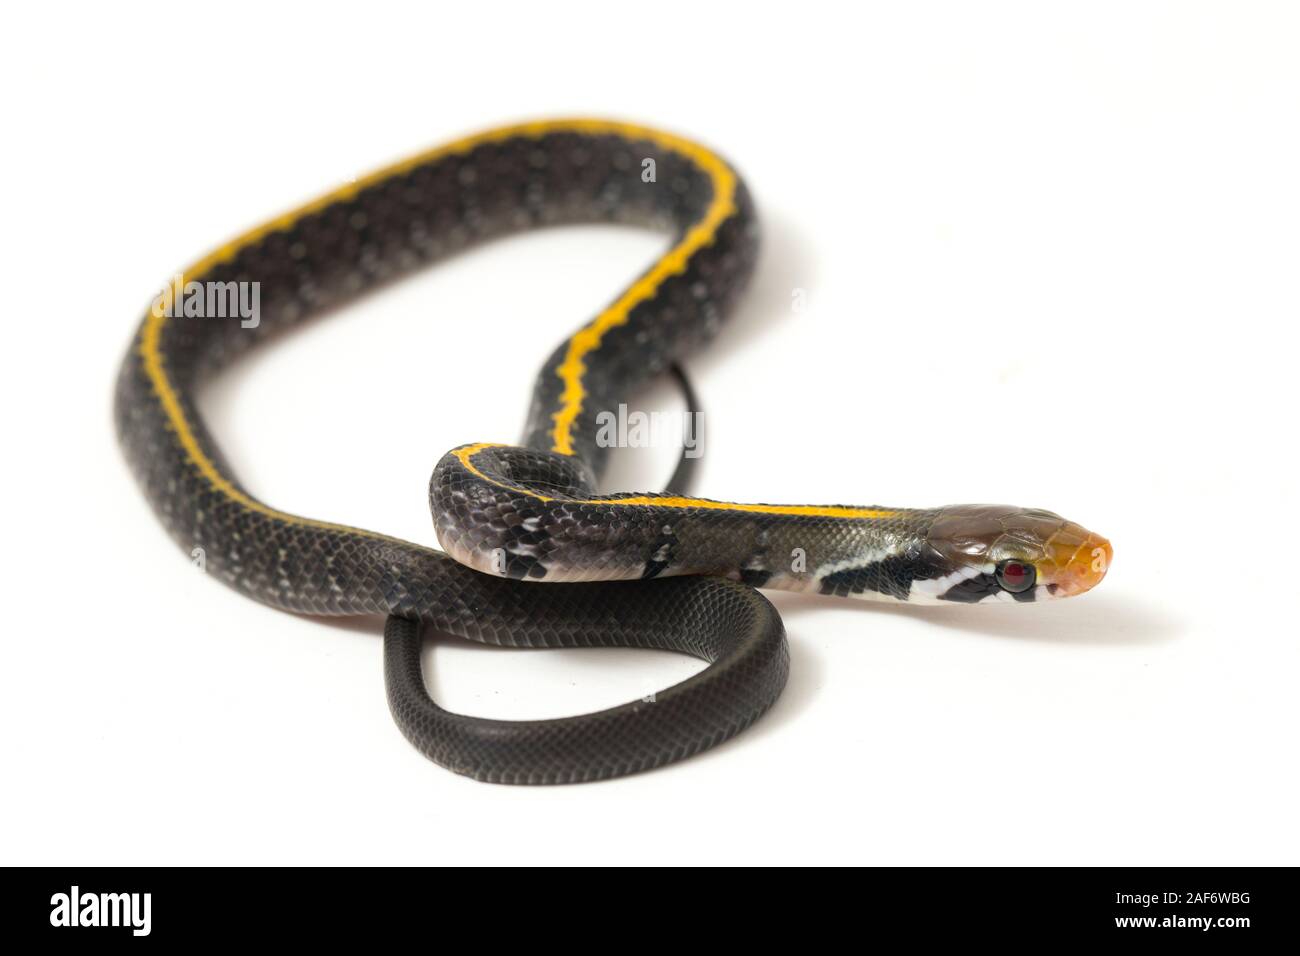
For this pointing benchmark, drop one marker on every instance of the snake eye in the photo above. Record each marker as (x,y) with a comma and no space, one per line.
(1016,576)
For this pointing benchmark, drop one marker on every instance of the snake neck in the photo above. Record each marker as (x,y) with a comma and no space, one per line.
(530,515)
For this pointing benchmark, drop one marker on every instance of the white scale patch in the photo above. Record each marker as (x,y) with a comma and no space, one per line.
(929,592)
(849,564)
(857,561)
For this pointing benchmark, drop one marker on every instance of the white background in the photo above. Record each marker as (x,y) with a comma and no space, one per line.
(1051,256)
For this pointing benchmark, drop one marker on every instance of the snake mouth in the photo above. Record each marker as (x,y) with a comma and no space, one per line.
(1076,560)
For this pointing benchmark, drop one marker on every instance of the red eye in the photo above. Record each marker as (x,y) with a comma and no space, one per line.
(1016,576)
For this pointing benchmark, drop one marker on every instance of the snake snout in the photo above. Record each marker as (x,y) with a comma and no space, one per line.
(1076,560)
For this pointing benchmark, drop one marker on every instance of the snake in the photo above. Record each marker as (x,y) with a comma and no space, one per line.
(534,553)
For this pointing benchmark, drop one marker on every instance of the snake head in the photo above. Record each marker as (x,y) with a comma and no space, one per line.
(1004,553)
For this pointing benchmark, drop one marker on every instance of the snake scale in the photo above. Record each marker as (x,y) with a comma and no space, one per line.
(535,554)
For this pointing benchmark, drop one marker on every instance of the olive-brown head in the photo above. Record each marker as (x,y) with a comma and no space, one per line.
(1005,553)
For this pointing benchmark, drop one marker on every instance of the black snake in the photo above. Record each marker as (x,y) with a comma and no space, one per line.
(532,512)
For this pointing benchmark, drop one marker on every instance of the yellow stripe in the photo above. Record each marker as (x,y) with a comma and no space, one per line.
(588,338)
(583,342)
(661,501)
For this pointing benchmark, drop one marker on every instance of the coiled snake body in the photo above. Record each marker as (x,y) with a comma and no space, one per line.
(535,555)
